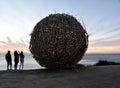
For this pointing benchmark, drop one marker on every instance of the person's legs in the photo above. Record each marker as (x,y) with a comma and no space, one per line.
(20,65)
(7,65)
(15,66)
(10,65)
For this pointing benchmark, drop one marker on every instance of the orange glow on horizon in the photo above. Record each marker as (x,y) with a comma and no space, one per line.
(103,49)
(91,49)
(13,47)
(4,50)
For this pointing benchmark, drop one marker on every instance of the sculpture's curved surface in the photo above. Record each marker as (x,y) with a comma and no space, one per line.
(58,41)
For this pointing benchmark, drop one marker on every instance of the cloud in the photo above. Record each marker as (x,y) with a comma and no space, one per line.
(10,45)
(9,40)
(2,42)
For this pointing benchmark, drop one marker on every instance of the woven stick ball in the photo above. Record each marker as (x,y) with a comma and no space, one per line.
(58,41)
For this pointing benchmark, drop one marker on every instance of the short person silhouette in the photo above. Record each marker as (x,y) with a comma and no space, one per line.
(21,60)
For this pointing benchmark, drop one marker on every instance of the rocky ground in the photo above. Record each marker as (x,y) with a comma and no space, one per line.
(83,77)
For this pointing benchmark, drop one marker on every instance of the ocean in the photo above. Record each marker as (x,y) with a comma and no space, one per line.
(88,59)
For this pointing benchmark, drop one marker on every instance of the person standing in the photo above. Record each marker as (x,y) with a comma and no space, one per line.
(21,60)
(16,59)
(9,60)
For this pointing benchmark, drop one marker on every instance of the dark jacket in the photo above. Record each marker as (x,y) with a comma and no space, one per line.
(16,57)
(8,57)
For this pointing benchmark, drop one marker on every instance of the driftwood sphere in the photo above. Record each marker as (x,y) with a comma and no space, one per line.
(58,41)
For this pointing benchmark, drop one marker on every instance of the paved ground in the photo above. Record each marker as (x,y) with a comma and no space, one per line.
(85,77)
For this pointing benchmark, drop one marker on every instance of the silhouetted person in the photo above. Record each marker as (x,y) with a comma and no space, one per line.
(21,60)
(9,60)
(16,59)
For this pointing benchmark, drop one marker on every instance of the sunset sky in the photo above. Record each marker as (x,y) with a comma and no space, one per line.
(101,18)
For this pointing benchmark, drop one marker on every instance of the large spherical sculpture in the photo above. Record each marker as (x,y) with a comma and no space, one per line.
(58,41)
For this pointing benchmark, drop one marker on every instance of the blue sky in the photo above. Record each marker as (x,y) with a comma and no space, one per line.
(101,18)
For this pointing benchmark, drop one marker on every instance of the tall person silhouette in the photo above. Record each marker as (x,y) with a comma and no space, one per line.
(16,59)
(9,60)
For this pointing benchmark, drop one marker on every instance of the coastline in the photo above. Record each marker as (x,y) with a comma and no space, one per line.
(84,77)
(88,59)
